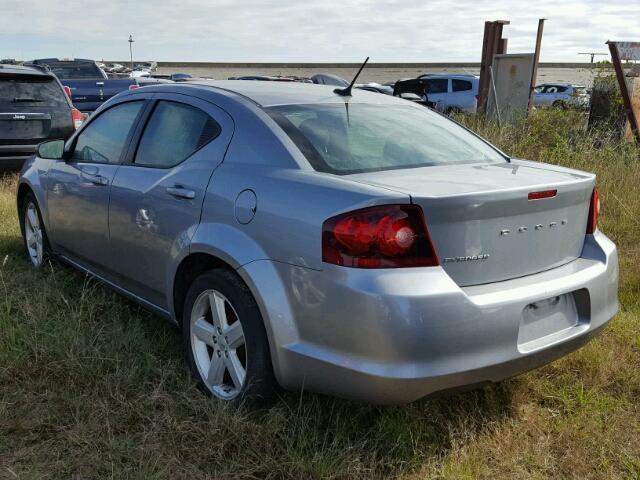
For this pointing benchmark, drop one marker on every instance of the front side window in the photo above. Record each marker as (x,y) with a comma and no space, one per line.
(104,139)
(368,138)
(174,132)
(437,85)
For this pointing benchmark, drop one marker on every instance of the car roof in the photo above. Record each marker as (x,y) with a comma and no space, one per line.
(450,75)
(290,93)
(22,70)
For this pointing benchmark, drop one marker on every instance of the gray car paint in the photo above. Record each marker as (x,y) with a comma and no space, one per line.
(379,335)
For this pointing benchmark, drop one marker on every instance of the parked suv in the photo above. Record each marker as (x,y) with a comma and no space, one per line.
(33,108)
(561,95)
(452,92)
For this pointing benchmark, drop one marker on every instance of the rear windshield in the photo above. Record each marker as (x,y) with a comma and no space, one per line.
(368,138)
(75,70)
(43,91)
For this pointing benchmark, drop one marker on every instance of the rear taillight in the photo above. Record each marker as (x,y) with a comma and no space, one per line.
(594,212)
(387,236)
(67,91)
(134,87)
(76,117)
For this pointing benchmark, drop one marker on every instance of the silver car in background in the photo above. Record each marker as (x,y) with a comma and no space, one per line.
(361,246)
(561,95)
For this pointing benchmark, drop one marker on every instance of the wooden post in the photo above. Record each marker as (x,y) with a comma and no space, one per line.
(492,43)
(536,59)
(624,91)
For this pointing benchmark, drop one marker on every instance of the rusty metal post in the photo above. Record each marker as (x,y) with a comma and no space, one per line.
(492,43)
(624,91)
(536,59)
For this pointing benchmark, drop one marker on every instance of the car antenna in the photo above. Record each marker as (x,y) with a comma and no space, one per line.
(346,92)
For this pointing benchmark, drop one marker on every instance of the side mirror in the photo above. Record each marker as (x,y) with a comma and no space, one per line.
(52,150)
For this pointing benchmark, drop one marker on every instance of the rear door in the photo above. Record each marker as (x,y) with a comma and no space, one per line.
(463,95)
(78,188)
(157,195)
(437,91)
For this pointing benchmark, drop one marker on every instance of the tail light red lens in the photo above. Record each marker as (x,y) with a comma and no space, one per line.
(134,87)
(67,91)
(77,118)
(594,212)
(387,236)
(542,194)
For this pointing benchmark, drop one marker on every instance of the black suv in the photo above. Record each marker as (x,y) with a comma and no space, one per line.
(33,108)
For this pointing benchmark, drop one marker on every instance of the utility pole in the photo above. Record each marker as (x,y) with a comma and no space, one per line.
(131,40)
(592,54)
(536,60)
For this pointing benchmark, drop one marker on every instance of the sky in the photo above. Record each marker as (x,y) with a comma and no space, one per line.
(307,31)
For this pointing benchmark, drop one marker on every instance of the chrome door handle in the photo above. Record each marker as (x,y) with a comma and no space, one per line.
(100,180)
(96,179)
(180,192)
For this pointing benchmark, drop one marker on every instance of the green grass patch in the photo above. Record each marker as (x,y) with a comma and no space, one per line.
(93,386)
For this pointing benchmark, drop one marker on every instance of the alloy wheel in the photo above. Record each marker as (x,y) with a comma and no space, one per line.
(218,344)
(33,235)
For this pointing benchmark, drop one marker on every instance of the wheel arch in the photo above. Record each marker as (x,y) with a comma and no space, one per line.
(23,189)
(191,267)
(198,262)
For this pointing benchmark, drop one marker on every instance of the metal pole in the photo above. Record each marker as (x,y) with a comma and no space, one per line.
(495,97)
(536,59)
(131,40)
(624,91)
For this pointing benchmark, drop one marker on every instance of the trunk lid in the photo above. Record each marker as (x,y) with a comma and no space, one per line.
(484,227)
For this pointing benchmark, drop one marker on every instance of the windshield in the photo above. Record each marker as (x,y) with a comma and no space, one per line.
(368,137)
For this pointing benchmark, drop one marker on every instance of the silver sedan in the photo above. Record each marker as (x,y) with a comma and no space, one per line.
(361,246)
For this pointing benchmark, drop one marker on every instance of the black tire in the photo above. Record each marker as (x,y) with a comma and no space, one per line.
(260,385)
(29,199)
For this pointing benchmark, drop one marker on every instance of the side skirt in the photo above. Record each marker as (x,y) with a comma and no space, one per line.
(161,312)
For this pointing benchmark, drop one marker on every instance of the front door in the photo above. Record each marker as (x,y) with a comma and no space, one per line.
(157,195)
(78,188)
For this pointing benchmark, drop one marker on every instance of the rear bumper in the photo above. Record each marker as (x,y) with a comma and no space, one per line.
(13,156)
(393,336)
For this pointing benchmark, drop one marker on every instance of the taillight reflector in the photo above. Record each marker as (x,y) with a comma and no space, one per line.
(542,194)
(77,118)
(387,236)
(594,212)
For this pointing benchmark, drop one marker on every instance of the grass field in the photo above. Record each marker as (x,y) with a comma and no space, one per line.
(92,386)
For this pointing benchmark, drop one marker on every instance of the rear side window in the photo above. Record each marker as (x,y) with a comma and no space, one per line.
(174,132)
(24,90)
(104,139)
(461,85)
(437,85)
